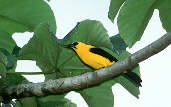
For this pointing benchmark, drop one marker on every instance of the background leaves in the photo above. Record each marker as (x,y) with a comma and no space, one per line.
(99,95)
(164,12)
(114,8)
(24,15)
(6,41)
(133,19)
(51,56)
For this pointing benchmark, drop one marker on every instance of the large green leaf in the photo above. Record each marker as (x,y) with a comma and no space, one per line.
(6,41)
(51,56)
(115,5)
(165,14)
(43,50)
(100,95)
(24,15)
(89,32)
(133,19)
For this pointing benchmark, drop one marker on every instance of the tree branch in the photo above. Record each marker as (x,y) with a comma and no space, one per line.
(88,79)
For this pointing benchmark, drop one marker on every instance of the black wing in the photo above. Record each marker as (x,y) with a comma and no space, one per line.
(103,53)
(129,75)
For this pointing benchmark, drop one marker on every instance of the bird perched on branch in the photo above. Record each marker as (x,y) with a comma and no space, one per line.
(98,58)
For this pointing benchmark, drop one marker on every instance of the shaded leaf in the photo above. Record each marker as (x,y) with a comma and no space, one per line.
(3,59)
(100,95)
(118,43)
(67,103)
(12,79)
(133,19)
(27,101)
(24,15)
(6,105)
(115,5)
(10,59)
(54,101)
(2,70)
(15,51)
(126,83)
(6,41)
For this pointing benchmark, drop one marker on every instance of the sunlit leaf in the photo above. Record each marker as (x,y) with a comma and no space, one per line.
(115,5)
(133,19)
(165,14)
(24,15)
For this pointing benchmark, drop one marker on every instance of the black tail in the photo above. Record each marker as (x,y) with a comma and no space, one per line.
(133,77)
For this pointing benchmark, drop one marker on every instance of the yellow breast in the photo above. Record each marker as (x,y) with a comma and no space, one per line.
(94,60)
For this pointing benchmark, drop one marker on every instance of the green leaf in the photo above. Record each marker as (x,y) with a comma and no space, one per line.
(133,19)
(127,84)
(46,52)
(165,15)
(6,41)
(24,15)
(8,63)
(16,51)
(115,5)
(100,95)
(27,101)
(3,59)
(55,101)
(51,56)
(67,103)
(12,79)
(89,32)
(118,44)
(11,61)
(41,48)
(2,70)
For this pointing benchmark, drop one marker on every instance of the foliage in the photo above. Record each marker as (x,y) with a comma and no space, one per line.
(134,16)
(51,56)
(64,62)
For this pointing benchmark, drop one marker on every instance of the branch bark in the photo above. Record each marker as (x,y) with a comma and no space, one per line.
(88,79)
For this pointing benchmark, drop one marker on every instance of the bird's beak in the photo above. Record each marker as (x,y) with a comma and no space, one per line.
(69,46)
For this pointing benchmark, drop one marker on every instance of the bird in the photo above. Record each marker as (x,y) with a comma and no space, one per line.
(98,58)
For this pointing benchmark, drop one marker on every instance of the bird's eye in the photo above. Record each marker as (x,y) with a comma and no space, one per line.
(75,43)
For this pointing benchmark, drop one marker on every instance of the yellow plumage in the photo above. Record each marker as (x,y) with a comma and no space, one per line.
(98,58)
(94,60)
